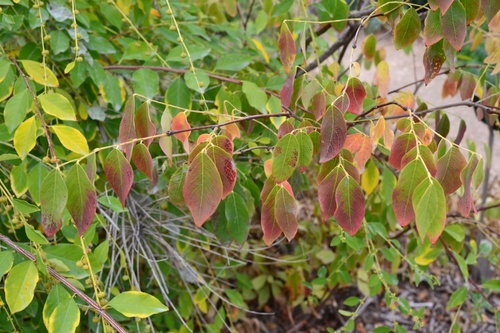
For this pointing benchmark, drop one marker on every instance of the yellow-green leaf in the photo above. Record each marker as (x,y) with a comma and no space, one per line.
(71,139)
(40,74)
(370,178)
(65,318)
(57,105)
(20,286)
(25,137)
(137,304)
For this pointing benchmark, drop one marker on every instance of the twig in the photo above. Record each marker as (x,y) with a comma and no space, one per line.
(68,285)
(248,15)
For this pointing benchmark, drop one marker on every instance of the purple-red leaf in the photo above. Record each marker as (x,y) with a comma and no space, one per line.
(333,134)
(350,205)
(287,91)
(91,168)
(356,93)
(225,143)
(226,168)
(287,48)
(53,198)
(142,160)
(444,5)
(402,145)
(285,209)
(119,174)
(449,168)
(82,198)
(180,123)
(454,23)
(268,221)
(342,103)
(144,127)
(434,58)
(326,192)
(202,189)
(318,105)
(127,127)
(285,128)
(466,202)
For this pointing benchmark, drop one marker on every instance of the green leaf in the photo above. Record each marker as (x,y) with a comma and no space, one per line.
(176,185)
(238,218)
(178,94)
(236,298)
(127,130)
(429,204)
(255,96)
(457,298)
(20,286)
(493,285)
(282,7)
(19,179)
(286,211)
(25,137)
(350,202)
(146,82)
(433,32)
(233,62)
(24,207)
(285,157)
(82,198)
(100,44)
(137,50)
(35,177)
(407,29)
(56,296)
(71,138)
(65,317)
(16,109)
(454,23)
(6,262)
(197,81)
(57,105)
(39,73)
(35,235)
(53,197)
(471,9)
(137,304)
(305,151)
(59,41)
(352,301)
(449,169)
(370,178)
(119,174)
(196,52)
(5,67)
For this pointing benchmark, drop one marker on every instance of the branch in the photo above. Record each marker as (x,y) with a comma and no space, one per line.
(68,285)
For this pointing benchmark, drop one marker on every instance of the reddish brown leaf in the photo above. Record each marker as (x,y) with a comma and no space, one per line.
(450,87)
(225,143)
(467,85)
(268,221)
(142,160)
(226,168)
(350,205)
(202,137)
(202,189)
(402,145)
(127,127)
(287,48)
(454,23)
(318,105)
(342,103)
(231,131)
(268,167)
(333,134)
(434,58)
(360,145)
(287,91)
(180,123)
(82,198)
(285,209)
(326,192)
(119,174)
(449,168)
(285,128)
(444,5)
(356,93)
(144,127)
(466,202)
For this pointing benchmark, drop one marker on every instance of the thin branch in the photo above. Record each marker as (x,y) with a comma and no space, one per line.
(248,15)
(37,108)
(67,284)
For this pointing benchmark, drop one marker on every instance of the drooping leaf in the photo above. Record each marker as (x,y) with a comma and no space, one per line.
(287,48)
(407,29)
(238,218)
(305,151)
(19,179)
(65,317)
(429,204)
(370,178)
(137,304)
(56,296)
(285,157)
(444,5)
(268,221)
(434,57)
(57,105)
(382,78)
(285,128)
(225,143)
(457,298)
(356,93)
(287,91)
(35,177)
(285,209)
(178,94)
(471,9)
(402,145)
(119,174)
(142,160)
(197,80)
(433,32)
(226,168)
(350,205)
(39,73)
(202,189)
(255,96)
(454,23)
(82,198)
(490,8)
(411,176)
(25,137)
(369,46)
(319,105)
(360,145)
(425,154)
(466,202)
(333,134)
(91,167)
(176,185)
(127,127)
(16,109)
(20,286)
(53,198)
(449,168)
(146,82)
(467,86)
(326,192)
(342,103)
(144,127)
(180,123)
(71,139)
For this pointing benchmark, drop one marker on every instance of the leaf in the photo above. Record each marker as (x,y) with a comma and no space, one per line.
(369,46)
(285,128)
(425,154)
(361,145)
(449,168)
(285,157)
(142,160)
(197,81)
(467,86)
(119,174)
(407,29)
(319,105)
(490,8)
(238,218)
(287,48)
(202,189)
(19,179)
(91,167)
(350,205)
(127,127)
(370,178)
(433,31)
(454,23)
(20,286)
(6,262)
(255,96)
(493,285)
(137,304)
(146,82)
(471,9)
(268,221)
(57,105)
(226,168)
(180,123)
(233,62)
(286,210)
(402,145)
(382,78)
(466,202)
(429,204)
(287,91)
(457,298)
(53,198)
(411,176)
(35,178)
(71,139)
(178,94)
(16,109)
(39,73)
(165,142)
(434,58)
(326,192)
(25,137)
(356,93)
(56,296)
(176,184)
(333,134)
(65,317)
(82,198)
(144,127)
(224,142)
(305,151)
(444,5)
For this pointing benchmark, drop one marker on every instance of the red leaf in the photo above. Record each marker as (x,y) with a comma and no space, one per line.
(342,103)
(467,86)
(434,58)
(285,209)
(268,221)
(142,160)
(180,123)
(226,168)
(454,23)
(466,202)
(231,131)
(127,127)
(119,174)
(82,198)
(333,134)
(360,145)
(326,192)
(285,128)
(287,48)
(444,5)
(350,205)
(449,169)
(287,91)
(144,127)
(318,105)
(402,145)
(224,142)
(356,93)
(202,189)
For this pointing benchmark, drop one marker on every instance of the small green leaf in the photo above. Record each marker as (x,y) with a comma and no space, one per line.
(57,105)
(146,82)
(20,286)
(16,109)
(53,197)
(285,157)
(233,62)
(6,262)
(137,304)
(24,207)
(493,285)
(19,179)
(59,41)
(197,81)
(352,301)
(255,96)
(238,219)
(56,296)
(35,177)
(407,29)
(457,298)
(178,94)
